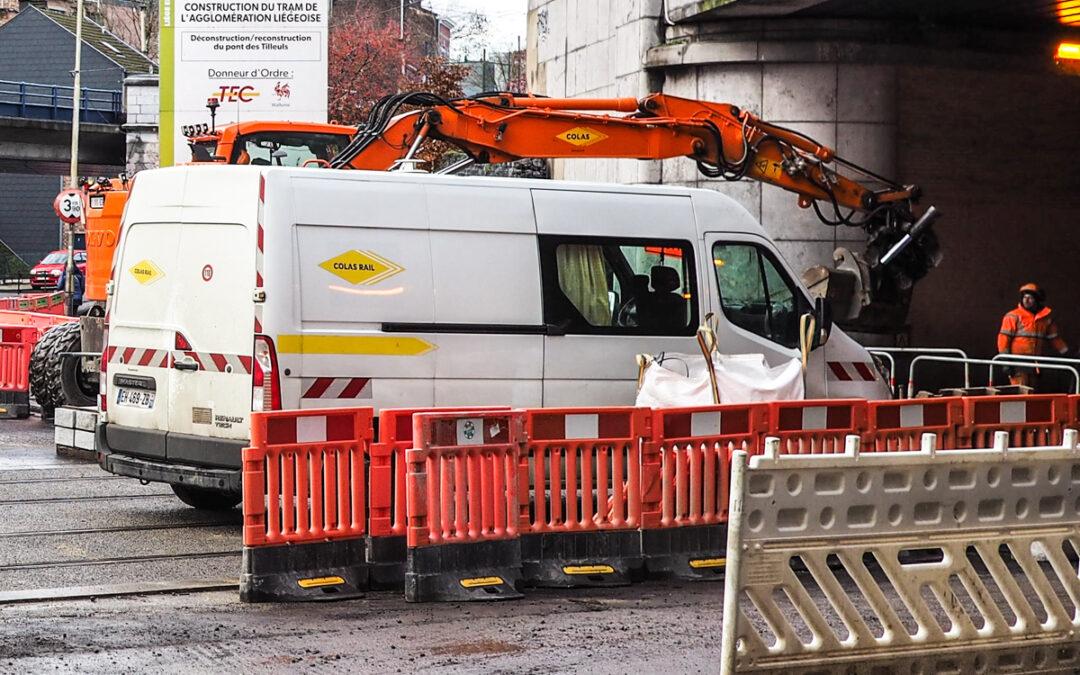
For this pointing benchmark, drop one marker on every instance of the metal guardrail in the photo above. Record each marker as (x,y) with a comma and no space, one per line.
(1030,363)
(888,352)
(52,102)
(1014,359)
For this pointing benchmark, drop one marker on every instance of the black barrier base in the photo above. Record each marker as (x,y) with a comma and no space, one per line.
(581,559)
(690,553)
(485,570)
(328,570)
(386,562)
(14,405)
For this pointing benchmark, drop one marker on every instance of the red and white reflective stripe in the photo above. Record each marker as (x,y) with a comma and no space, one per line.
(259,255)
(336,388)
(815,417)
(849,371)
(134,356)
(310,429)
(213,362)
(579,426)
(1010,412)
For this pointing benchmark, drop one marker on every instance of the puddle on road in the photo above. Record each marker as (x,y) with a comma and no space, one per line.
(479,648)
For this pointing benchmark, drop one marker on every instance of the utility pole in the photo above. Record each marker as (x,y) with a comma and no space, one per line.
(76,103)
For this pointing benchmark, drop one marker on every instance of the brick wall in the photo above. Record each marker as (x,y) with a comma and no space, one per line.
(995,151)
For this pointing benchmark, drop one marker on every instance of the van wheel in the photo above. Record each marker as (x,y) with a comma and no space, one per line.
(206,500)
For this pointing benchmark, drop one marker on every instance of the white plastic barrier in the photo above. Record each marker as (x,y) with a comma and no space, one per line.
(963,561)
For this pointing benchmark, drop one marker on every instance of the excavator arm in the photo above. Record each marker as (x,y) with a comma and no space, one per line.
(871,290)
(724,140)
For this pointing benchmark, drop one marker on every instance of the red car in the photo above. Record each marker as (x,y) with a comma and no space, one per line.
(46,273)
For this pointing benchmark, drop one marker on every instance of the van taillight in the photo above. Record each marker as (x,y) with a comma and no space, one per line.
(265,379)
(181,342)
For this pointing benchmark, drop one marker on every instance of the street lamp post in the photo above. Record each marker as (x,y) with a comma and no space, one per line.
(76,103)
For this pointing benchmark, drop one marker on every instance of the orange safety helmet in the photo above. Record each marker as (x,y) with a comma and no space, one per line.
(1034,289)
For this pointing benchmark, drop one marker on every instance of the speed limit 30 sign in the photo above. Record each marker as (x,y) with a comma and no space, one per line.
(69,206)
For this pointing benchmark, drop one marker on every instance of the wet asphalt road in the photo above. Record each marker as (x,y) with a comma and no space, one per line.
(65,523)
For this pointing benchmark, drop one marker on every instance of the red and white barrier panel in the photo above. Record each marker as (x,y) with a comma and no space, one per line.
(899,425)
(463,506)
(583,467)
(305,504)
(16,344)
(386,497)
(686,475)
(1030,420)
(816,427)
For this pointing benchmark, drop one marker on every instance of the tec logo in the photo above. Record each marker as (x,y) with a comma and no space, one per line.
(235,93)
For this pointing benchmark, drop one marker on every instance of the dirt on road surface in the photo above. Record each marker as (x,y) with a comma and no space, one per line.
(655,627)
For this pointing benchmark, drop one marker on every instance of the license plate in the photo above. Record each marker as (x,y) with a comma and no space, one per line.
(135,398)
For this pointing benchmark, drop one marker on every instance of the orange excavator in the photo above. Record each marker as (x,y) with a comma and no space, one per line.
(870,291)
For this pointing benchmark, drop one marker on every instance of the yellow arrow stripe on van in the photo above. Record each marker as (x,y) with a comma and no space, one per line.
(371,345)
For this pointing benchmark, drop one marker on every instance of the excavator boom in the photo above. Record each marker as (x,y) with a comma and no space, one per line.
(725,142)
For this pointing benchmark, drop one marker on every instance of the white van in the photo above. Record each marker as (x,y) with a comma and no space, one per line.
(252,288)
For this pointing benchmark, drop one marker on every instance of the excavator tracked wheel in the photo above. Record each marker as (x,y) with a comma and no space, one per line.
(56,381)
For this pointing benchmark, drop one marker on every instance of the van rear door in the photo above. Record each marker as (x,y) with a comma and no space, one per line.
(140,334)
(181,320)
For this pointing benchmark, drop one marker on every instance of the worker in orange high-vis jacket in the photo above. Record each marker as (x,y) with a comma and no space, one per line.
(1030,330)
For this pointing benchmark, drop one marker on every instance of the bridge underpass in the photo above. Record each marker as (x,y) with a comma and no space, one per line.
(35,153)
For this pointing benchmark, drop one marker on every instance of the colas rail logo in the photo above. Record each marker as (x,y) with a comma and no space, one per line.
(235,93)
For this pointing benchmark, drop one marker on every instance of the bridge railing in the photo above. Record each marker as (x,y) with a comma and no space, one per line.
(52,102)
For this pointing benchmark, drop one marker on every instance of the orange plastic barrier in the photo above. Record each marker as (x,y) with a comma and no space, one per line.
(1073,421)
(816,427)
(304,483)
(583,491)
(463,507)
(1038,419)
(686,473)
(11,317)
(386,547)
(43,303)
(16,344)
(899,425)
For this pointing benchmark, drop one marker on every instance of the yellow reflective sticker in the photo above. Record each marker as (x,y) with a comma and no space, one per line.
(708,562)
(581,136)
(318,582)
(588,569)
(481,581)
(371,345)
(365,268)
(146,272)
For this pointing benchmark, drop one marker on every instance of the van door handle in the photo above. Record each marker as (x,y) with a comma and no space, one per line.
(186,363)
(556,329)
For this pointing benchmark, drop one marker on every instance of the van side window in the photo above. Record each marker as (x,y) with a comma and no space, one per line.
(756,293)
(616,286)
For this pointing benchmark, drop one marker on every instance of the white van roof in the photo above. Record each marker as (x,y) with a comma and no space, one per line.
(202,186)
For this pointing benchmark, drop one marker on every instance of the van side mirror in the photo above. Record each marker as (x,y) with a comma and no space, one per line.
(823,317)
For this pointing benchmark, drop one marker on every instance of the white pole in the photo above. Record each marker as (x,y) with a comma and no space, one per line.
(732,566)
(76,102)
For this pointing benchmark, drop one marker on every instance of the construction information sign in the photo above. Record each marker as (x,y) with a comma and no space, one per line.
(260,60)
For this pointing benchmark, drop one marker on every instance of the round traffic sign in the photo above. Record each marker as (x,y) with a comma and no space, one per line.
(69,206)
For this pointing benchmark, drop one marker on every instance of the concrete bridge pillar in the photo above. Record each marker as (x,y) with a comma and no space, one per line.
(849,107)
